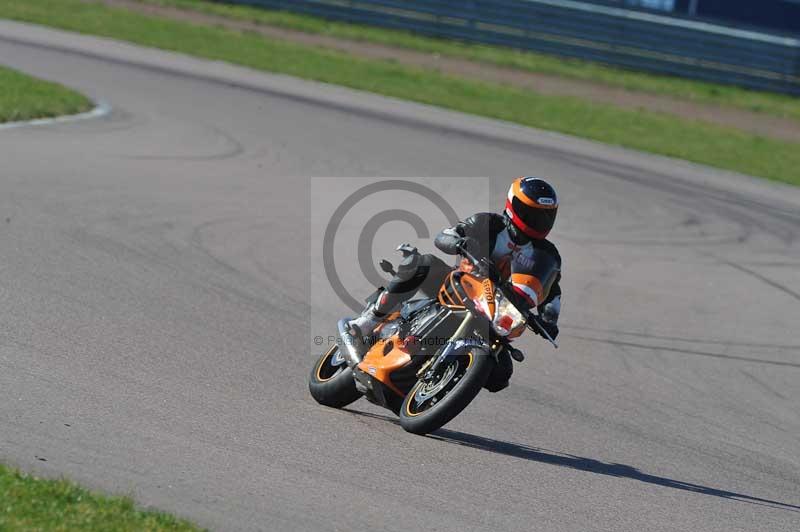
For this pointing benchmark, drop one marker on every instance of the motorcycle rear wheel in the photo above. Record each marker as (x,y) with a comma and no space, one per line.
(430,405)
(331,383)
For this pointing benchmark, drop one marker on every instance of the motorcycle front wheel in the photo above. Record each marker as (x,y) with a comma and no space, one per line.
(433,403)
(331,382)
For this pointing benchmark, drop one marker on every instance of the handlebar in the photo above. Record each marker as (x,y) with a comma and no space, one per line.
(537,327)
(482,265)
(465,253)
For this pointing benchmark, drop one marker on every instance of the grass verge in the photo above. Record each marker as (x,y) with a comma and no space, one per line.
(25,98)
(29,503)
(697,91)
(647,131)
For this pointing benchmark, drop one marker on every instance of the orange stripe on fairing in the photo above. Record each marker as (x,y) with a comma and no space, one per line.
(529,281)
(455,291)
(441,299)
(446,293)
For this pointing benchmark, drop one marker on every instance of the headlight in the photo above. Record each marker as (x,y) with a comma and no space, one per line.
(507,317)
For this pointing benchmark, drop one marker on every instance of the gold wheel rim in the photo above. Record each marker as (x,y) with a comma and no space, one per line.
(322,361)
(413,391)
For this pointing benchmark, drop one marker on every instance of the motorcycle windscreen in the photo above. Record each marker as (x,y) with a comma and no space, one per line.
(533,277)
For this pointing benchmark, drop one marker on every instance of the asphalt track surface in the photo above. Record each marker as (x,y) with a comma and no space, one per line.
(154,280)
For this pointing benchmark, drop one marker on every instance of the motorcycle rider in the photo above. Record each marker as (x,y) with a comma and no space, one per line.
(508,239)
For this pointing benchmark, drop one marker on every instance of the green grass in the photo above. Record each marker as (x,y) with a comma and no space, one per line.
(28,503)
(697,91)
(657,133)
(24,98)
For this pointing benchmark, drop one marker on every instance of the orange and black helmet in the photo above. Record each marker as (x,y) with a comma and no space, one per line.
(531,206)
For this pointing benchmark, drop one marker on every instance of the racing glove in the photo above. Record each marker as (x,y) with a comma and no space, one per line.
(550,312)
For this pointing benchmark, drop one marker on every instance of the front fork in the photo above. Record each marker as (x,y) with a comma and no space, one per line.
(458,343)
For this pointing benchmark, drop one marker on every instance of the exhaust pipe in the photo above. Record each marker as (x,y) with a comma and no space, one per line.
(349,350)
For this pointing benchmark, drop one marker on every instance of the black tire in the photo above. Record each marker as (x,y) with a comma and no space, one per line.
(331,385)
(454,401)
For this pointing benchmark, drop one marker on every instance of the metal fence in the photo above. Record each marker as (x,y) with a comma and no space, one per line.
(617,36)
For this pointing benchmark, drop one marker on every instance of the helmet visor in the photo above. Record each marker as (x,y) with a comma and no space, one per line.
(536,222)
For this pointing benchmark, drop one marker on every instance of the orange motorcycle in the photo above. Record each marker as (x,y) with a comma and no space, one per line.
(428,361)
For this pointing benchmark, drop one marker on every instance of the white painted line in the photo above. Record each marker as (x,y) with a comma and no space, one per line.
(100,109)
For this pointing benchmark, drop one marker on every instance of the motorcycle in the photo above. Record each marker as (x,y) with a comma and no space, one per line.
(430,359)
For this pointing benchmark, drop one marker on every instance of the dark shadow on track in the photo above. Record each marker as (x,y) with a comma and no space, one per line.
(580,463)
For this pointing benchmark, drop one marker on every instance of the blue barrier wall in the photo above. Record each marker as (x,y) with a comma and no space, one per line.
(763,15)
(597,32)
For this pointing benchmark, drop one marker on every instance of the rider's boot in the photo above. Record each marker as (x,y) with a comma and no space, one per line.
(363,325)
(385,303)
